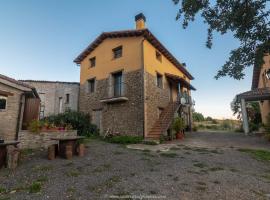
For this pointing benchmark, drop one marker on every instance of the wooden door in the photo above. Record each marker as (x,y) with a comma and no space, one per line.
(31,111)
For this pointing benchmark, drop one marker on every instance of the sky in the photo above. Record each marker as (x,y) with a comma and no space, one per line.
(40,39)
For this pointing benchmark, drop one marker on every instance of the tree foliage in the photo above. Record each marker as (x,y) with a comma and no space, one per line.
(197,117)
(253,112)
(248,20)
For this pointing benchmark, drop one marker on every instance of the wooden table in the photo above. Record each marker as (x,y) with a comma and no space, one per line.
(3,151)
(64,142)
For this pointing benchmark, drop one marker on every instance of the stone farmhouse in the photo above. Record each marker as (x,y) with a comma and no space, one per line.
(260,91)
(19,104)
(56,96)
(131,84)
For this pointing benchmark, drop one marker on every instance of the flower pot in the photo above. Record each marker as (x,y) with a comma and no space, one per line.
(180,136)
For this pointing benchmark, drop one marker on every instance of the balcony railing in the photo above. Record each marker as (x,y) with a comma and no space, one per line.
(185,99)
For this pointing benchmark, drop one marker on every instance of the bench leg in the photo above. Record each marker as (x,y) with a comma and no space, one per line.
(51,152)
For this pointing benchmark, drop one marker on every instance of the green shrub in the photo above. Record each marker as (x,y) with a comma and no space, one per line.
(125,139)
(77,120)
(35,187)
(35,126)
(178,124)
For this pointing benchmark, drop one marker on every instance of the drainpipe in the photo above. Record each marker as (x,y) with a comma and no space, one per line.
(19,117)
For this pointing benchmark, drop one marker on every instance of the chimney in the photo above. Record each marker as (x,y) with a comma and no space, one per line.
(140,21)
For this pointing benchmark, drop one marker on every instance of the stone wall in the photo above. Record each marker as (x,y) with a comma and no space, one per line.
(124,117)
(29,140)
(155,98)
(9,116)
(50,92)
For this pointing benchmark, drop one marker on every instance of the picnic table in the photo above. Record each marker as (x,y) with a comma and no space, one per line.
(3,151)
(67,145)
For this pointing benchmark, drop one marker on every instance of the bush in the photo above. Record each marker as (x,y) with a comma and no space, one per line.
(178,124)
(77,120)
(35,126)
(125,139)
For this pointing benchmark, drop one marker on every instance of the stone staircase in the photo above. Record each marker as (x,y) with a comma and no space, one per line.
(163,123)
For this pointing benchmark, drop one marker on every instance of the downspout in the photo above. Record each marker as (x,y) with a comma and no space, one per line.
(143,89)
(19,117)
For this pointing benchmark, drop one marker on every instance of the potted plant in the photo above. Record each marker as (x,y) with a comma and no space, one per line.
(69,127)
(178,127)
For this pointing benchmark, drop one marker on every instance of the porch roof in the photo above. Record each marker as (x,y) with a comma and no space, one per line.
(257,94)
(181,80)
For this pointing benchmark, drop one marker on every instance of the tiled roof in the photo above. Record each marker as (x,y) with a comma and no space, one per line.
(44,81)
(134,33)
(181,80)
(19,83)
(15,81)
(256,94)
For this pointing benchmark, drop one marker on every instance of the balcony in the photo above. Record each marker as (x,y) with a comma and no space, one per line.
(185,99)
(116,93)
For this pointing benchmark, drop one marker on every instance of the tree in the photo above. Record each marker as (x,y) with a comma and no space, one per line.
(197,117)
(253,112)
(248,20)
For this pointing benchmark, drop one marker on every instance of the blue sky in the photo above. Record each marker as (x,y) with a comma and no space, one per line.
(40,39)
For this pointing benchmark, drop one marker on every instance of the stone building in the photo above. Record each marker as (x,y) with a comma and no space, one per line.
(56,96)
(131,84)
(260,92)
(19,104)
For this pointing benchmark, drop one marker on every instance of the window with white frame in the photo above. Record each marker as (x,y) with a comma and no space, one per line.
(3,103)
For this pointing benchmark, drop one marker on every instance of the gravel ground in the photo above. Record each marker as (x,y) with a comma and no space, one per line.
(113,171)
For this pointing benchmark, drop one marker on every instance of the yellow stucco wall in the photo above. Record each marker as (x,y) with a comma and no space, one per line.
(152,65)
(263,82)
(131,59)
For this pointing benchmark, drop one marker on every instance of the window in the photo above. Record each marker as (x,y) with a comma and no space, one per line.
(67,98)
(117,52)
(117,84)
(159,80)
(91,85)
(92,62)
(3,103)
(158,56)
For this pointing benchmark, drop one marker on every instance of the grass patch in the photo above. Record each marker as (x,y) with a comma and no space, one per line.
(257,154)
(42,179)
(35,187)
(2,190)
(169,155)
(45,168)
(175,148)
(146,150)
(201,188)
(150,142)
(102,168)
(234,170)
(214,169)
(71,190)
(118,152)
(200,165)
(73,173)
(125,139)
(201,183)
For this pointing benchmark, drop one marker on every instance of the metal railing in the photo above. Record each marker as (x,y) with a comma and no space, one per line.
(185,99)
